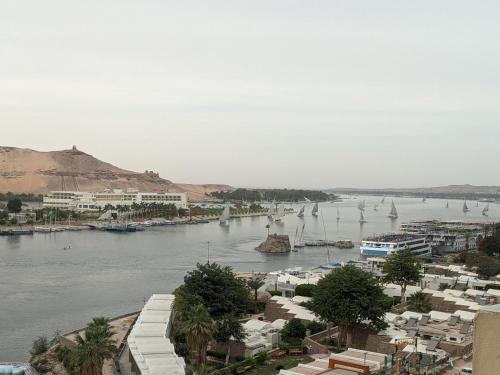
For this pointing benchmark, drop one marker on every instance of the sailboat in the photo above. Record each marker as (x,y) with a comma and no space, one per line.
(465,208)
(299,238)
(272,210)
(226,214)
(315,210)
(280,212)
(362,219)
(393,214)
(338,214)
(361,205)
(375,208)
(383,200)
(301,212)
(424,199)
(485,210)
(477,204)
(447,204)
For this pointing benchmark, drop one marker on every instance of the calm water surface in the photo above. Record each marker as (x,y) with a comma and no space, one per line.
(44,288)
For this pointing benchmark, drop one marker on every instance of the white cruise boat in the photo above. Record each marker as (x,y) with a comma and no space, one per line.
(388,244)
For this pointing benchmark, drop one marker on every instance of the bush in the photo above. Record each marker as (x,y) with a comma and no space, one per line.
(293,332)
(182,349)
(305,290)
(316,327)
(261,358)
(279,367)
(492,286)
(275,293)
(443,286)
(40,346)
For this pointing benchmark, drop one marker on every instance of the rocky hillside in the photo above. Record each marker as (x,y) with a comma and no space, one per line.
(29,171)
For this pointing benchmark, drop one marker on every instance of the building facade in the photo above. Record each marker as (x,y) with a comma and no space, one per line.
(95,201)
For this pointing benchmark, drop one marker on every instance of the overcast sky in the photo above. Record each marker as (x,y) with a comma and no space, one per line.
(260,93)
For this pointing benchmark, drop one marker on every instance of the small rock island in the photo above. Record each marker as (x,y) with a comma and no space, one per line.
(275,243)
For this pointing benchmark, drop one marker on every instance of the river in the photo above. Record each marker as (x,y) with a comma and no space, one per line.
(44,288)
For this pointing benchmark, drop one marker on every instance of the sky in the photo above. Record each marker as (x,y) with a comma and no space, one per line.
(271,93)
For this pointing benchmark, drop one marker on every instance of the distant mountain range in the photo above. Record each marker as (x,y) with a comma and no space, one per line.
(450,191)
(29,171)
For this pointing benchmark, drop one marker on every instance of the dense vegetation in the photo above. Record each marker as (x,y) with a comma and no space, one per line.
(5,197)
(208,307)
(92,349)
(268,195)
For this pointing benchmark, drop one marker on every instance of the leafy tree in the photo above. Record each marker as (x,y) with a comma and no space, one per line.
(185,302)
(95,346)
(305,290)
(199,329)
(40,346)
(488,267)
(293,331)
(420,302)
(221,291)
(490,245)
(228,328)
(255,284)
(347,297)
(403,269)
(14,205)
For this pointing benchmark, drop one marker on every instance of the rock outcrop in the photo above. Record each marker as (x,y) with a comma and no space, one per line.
(275,243)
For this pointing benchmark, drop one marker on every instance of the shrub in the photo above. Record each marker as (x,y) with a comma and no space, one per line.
(305,290)
(492,286)
(316,327)
(293,332)
(275,293)
(261,358)
(40,346)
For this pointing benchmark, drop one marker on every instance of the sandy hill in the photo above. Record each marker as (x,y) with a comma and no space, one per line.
(30,171)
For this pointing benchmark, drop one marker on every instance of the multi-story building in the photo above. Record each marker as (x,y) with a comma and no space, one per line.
(94,201)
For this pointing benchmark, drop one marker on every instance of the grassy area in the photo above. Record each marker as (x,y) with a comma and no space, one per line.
(286,362)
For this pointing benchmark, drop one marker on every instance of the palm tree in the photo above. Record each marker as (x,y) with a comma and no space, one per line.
(255,284)
(95,347)
(420,302)
(199,329)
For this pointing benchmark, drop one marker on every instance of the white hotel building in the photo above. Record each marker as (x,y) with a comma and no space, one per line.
(94,201)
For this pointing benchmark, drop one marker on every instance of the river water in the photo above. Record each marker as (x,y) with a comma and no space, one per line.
(44,288)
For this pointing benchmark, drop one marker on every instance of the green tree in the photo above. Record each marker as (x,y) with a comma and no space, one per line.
(14,205)
(305,290)
(40,346)
(255,285)
(403,269)
(347,297)
(185,302)
(490,245)
(95,346)
(488,267)
(316,327)
(221,291)
(293,332)
(199,329)
(420,302)
(228,328)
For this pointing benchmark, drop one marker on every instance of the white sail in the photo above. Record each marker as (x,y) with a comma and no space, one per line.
(301,212)
(465,208)
(424,199)
(280,212)
(272,209)
(447,204)
(307,200)
(361,217)
(226,214)
(394,212)
(361,205)
(315,209)
(383,200)
(375,208)
(338,214)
